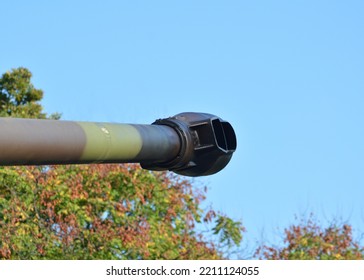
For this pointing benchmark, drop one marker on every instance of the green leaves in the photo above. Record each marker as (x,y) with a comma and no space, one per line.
(230,232)
(103,212)
(19,98)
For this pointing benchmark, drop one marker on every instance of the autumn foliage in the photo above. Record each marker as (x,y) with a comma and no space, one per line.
(309,241)
(99,212)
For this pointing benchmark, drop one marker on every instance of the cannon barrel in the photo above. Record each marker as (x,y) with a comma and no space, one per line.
(191,144)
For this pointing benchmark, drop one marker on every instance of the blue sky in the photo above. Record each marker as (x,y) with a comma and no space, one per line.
(288,75)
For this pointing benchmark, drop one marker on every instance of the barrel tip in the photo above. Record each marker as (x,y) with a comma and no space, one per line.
(207,144)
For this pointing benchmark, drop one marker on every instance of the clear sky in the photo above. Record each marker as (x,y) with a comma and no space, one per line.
(288,75)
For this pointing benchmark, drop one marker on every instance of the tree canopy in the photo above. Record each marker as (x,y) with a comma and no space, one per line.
(309,241)
(18,96)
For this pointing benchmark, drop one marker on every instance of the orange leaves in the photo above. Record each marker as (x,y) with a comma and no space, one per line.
(101,212)
(310,241)
(5,252)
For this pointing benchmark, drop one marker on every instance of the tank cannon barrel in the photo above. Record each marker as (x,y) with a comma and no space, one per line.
(191,144)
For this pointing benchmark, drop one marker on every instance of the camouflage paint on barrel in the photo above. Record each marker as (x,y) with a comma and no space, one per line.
(29,141)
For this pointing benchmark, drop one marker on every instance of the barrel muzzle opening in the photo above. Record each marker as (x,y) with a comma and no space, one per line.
(207,144)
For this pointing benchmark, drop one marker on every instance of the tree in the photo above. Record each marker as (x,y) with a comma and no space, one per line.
(19,98)
(309,241)
(109,211)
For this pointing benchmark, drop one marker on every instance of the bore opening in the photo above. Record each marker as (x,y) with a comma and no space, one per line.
(219,134)
(229,136)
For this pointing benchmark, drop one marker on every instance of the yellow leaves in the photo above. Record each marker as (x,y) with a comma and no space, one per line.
(82,196)
(21,231)
(338,257)
(30,174)
(327,246)
(63,212)
(304,241)
(22,216)
(80,209)
(302,255)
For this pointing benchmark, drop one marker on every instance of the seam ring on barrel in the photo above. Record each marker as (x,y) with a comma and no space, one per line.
(183,156)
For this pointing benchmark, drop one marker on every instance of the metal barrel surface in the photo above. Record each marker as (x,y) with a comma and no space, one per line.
(36,142)
(177,143)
